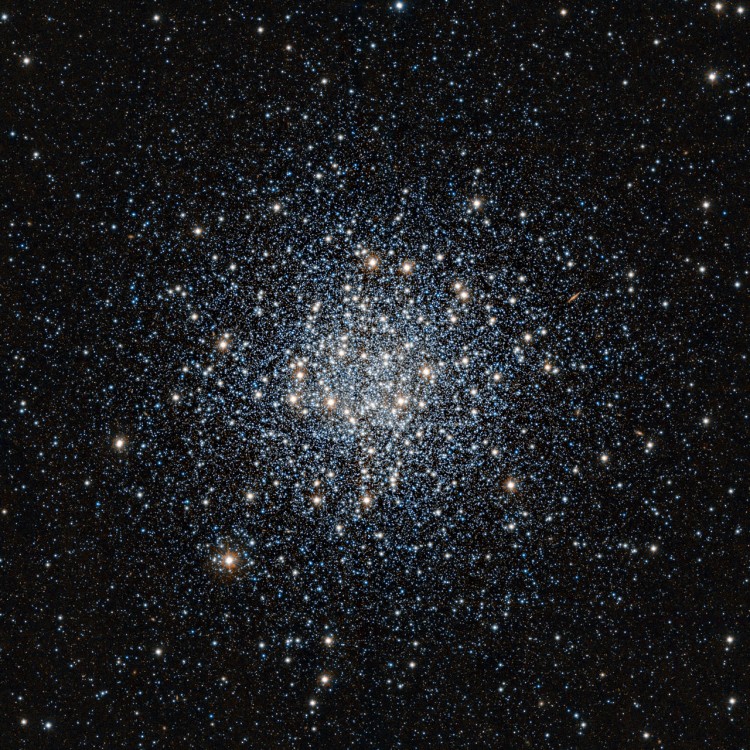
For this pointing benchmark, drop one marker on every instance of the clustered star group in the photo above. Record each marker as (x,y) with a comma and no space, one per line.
(375,376)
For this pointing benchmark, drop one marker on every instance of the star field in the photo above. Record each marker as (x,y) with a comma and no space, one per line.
(375,376)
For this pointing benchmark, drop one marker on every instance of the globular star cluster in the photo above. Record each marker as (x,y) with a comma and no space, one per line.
(372,378)
(375,376)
